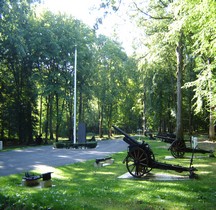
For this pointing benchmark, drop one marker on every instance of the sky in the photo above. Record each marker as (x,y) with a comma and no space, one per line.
(114,26)
(77,8)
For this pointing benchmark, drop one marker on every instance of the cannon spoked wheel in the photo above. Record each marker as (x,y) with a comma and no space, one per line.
(177,148)
(137,162)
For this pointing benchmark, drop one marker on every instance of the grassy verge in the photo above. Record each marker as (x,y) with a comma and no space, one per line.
(82,186)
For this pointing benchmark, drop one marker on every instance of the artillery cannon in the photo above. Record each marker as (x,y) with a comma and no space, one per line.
(140,159)
(178,147)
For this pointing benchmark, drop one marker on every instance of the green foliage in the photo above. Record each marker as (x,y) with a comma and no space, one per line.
(37,66)
(202,33)
(37,55)
(16,58)
(162,23)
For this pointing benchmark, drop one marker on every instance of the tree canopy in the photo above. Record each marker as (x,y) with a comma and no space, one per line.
(170,87)
(179,37)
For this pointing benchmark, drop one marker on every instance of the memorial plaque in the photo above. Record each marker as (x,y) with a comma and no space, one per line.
(81,133)
(194,142)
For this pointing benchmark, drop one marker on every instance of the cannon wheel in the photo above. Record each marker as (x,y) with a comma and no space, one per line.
(178,148)
(137,162)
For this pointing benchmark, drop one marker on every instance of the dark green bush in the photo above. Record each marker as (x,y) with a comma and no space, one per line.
(60,145)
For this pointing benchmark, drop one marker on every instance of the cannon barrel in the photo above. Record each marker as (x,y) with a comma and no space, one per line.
(166,139)
(128,139)
(140,158)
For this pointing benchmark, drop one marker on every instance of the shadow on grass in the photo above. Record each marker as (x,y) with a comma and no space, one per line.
(83,186)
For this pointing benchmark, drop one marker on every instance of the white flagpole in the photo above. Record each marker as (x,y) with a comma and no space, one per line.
(75,91)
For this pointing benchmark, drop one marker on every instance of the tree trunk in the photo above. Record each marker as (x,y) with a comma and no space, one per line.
(190,117)
(212,109)
(51,117)
(40,115)
(144,113)
(179,55)
(211,125)
(100,118)
(29,124)
(80,117)
(70,122)
(110,121)
(47,119)
(57,117)
(69,115)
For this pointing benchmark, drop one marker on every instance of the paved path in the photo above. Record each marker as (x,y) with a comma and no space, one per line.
(45,158)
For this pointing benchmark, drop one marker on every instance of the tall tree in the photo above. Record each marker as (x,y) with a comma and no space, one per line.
(174,22)
(16,54)
(200,26)
(180,63)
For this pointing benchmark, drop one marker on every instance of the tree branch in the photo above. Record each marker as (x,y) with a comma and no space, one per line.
(164,4)
(150,16)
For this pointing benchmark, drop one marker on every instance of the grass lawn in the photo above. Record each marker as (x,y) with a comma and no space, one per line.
(82,186)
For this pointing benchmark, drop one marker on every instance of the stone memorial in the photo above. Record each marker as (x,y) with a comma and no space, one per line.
(81,133)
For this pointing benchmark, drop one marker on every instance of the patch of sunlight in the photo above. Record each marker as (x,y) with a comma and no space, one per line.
(18,150)
(162,147)
(80,160)
(201,165)
(1,164)
(45,168)
(89,179)
(78,169)
(167,191)
(205,172)
(106,173)
(64,156)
